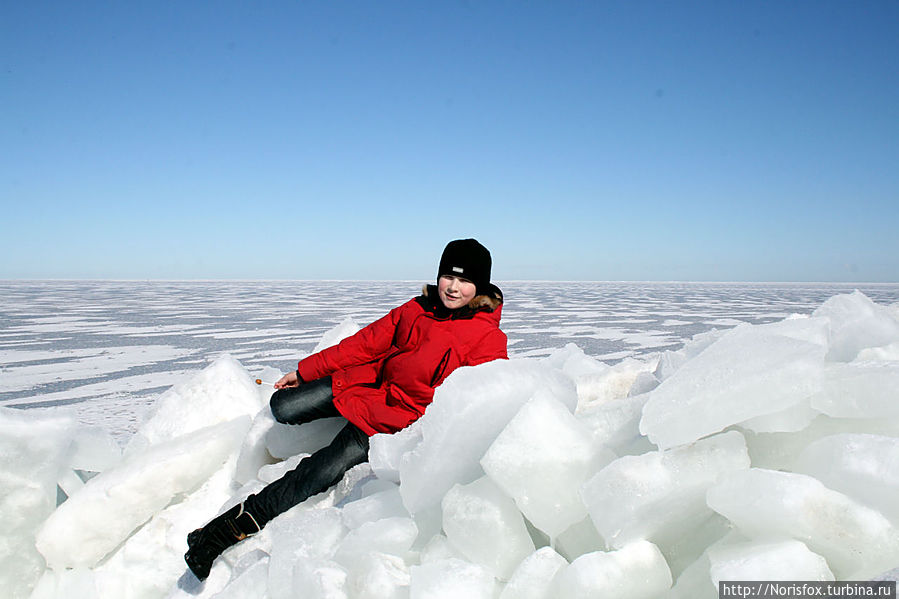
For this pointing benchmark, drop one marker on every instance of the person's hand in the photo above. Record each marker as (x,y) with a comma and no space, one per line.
(288,380)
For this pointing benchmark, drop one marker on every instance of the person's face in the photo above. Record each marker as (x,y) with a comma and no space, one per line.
(455,292)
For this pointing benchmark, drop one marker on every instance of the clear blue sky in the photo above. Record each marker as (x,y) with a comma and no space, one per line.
(722,140)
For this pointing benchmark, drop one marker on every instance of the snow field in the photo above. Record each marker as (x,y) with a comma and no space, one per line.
(762,451)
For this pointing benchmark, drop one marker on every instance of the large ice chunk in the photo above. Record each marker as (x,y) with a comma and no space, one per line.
(779,451)
(379,576)
(615,382)
(79,583)
(789,420)
(694,581)
(113,504)
(572,360)
(253,452)
(856,323)
(670,361)
(616,424)
(221,392)
(580,538)
(300,535)
(345,328)
(660,496)
(750,371)
(596,381)
(386,452)
(859,390)
(319,579)
(541,459)
(438,548)
(857,541)
(534,576)
(484,525)
(393,536)
(469,410)
(452,579)
(93,450)
(151,560)
(248,581)
(34,449)
(883,353)
(780,560)
(374,507)
(636,571)
(864,467)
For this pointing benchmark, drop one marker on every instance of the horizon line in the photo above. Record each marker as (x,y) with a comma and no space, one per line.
(265,280)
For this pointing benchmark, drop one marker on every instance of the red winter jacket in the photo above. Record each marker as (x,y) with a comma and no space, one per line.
(384,376)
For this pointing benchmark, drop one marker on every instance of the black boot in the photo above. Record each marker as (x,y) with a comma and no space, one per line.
(207,543)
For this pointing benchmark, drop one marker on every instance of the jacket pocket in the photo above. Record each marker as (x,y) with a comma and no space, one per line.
(441,368)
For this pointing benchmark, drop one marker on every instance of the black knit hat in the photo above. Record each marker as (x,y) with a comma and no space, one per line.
(466,259)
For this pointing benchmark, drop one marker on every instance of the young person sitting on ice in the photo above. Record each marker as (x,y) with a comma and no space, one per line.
(381,380)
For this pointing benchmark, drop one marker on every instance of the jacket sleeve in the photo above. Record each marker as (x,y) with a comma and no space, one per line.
(492,346)
(366,345)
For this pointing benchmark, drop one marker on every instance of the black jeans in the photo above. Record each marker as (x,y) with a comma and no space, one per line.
(321,470)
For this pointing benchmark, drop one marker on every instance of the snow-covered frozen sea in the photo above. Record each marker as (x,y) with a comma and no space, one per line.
(109,348)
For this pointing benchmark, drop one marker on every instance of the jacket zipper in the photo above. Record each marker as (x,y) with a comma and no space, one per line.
(441,368)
